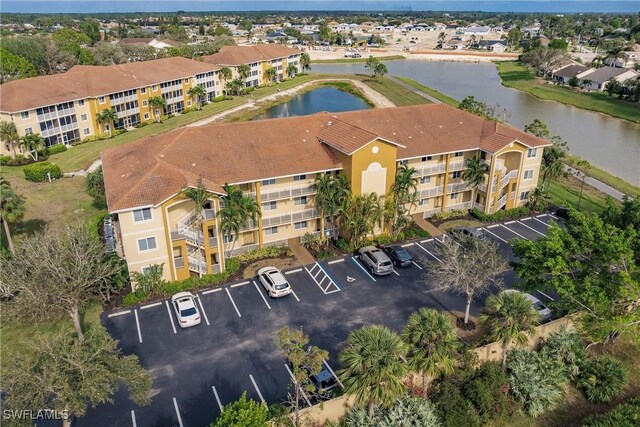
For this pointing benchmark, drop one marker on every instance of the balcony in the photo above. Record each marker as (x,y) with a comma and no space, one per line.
(459,206)
(59,129)
(457,166)
(178,261)
(430,170)
(126,113)
(209,214)
(242,249)
(47,116)
(502,201)
(197,265)
(432,192)
(457,187)
(478,206)
(287,192)
(213,242)
(290,217)
(66,112)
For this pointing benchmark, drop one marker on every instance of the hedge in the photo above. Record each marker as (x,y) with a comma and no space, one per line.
(58,148)
(624,415)
(501,214)
(37,172)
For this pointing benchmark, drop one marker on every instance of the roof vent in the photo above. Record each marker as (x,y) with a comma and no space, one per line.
(193,164)
(460,122)
(440,126)
(329,123)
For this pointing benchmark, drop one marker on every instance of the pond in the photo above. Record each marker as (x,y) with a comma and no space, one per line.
(325,98)
(606,142)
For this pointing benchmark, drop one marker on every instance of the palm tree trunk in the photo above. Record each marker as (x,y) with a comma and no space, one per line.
(75,316)
(9,239)
(467,309)
(505,348)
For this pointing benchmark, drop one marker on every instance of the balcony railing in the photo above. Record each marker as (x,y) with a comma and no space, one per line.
(213,242)
(457,187)
(66,112)
(209,214)
(242,249)
(428,214)
(197,265)
(502,201)
(430,170)
(215,268)
(459,206)
(290,217)
(512,196)
(287,192)
(129,112)
(178,261)
(432,192)
(59,129)
(457,166)
(478,206)
(505,179)
(47,116)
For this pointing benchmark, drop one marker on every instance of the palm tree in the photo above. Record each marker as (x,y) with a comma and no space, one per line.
(107,117)
(583,175)
(292,70)
(442,37)
(31,143)
(305,61)
(360,215)
(225,74)
(270,74)
(474,175)
(157,103)
(374,369)
(9,134)
(510,319)
(244,71)
(11,209)
(403,197)
(614,54)
(197,93)
(433,343)
(331,190)
(237,209)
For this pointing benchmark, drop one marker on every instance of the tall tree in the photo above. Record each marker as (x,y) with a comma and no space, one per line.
(553,157)
(225,74)
(13,67)
(197,93)
(292,70)
(244,71)
(243,413)
(305,61)
(270,73)
(470,268)
(583,167)
(9,134)
(474,174)
(106,119)
(11,209)
(510,319)
(374,368)
(401,199)
(236,211)
(55,273)
(68,373)
(31,143)
(616,55)
(157,103)
(331,191)
(371,64)
(360,215)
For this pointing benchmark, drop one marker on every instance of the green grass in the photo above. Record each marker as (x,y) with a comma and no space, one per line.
(429,91)
(517,76)
(566,192)
(397,94)
(603,176)
(363,59)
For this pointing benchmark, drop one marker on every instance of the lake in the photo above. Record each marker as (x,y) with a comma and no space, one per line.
(322,99)
(606,142)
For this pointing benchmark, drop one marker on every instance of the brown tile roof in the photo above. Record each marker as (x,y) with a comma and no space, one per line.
(151,170)
(236,55)
(83,81)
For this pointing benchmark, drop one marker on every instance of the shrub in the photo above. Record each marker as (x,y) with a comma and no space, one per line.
(410,411)
(268,252)
(18,160)
(414,233)
(250,89)
(58,148)
(487,391)
(566,346)
(501,214)
(452,407)
(188,110)
(602,379)
(450,214)
(243,412)
(117,132)
(165,117)
(91,138)
(149,281)
(134,298)
(37,172)
(95,185)
(143,124)
(219,98)
(624,415)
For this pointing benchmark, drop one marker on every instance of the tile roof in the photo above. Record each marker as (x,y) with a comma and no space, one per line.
(603,74)
(236,55)
(570,70)
(149,171)
(83,81)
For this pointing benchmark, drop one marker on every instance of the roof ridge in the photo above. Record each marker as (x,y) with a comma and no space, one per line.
(355,126)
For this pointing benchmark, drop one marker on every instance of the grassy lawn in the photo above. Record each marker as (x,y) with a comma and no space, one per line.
(612,181)
(363,59)
(517,76)
(429,91)
(399,95)
(566,192)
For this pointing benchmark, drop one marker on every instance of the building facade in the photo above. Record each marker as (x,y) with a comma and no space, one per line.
(277,161)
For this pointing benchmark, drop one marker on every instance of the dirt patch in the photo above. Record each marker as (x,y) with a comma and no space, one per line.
(251,270)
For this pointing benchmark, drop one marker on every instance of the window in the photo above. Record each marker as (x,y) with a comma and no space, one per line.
(269,206)
(404,162)
(454,196)
(458,154)
(142,214)
(298,201)
(524,195)
(456,174)
(271,230)
(143,90)
(423,202)
(426,159)
(186,81)
(81,103)
(24,114)
(300,225)
(299,177)
(154,87)
(83,117)
(146,244)
(101,100)
(188,103)
(86,131)
(425,180)
(268,181)
(146,116)
(528,174)
(28,131)
(145,103)
(531,152)
(227,238)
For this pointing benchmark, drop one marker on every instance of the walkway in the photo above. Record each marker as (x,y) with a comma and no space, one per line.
(426,225)
(300,252)
(598,185)
(414,90)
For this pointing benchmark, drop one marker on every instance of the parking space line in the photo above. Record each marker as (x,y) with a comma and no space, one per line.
(414,263)
(526,219)
(120,313)
(215,393)
(171,318)
(295,383)
(138,325)
(552,216)
(335,261)
(509,222)
(424,249)
(233,302)
(493,226)
(295,296)
(362,268)
(406,245)
(175,405)
(326,276)
(542,222)
(541,215)
(330,278)
(395,272)
(257,389)
(425,241)
(261,295)
(133,418)
(155,304)
(542,293)
(532,229)
(297,270)
(211,291)
(495,235)
(514,232)
(333,373)
(204,313)
(235,285)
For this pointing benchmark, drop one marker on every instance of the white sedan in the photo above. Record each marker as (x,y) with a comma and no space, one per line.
(274,282)
(184,304)
(543,310)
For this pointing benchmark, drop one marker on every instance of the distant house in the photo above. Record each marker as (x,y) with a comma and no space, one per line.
(566,73)
(150,42)
(497,46)
(597,79)
(476,30)
(455,43)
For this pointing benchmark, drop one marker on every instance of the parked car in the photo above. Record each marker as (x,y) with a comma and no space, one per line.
(274,282)
(109,235)
(375,260)
(562,212)
(543,310)
(184,304)
(468,231)
(399,255)
(324,382)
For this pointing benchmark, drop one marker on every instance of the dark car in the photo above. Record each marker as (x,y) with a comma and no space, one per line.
(399,256)
(562,212)
(468,231)
(324,383)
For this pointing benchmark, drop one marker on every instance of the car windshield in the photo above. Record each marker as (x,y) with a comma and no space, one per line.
(403,255)
(385,263)
(539,306)
(188,312)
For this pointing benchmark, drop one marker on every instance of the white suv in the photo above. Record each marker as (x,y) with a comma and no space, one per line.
(375,260)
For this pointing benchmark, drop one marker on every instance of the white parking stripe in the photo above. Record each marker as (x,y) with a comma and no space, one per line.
(204,313)
(120,313)
(542,222)
(215,392)
(362,268)
(542,293)
(133,419)
(395,272)
(425,241)
(175,405)
(493,226)
(514,232)
(532,229)
(414,263)
(171,318)
(495,235)
(335,261)
(257,389)
(138,325)
(155,304)
(295,382)
(261,295)
(294,294)
(240,284)
(406,245)
(526,219)
(541,215)
(509,222)
(297,270)
(424,249)
(211,291)
(333,373)
(233,302)
(553,216)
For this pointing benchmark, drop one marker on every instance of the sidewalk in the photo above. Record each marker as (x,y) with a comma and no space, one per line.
(300,252)
(414,90)
(598,185)
(426,225)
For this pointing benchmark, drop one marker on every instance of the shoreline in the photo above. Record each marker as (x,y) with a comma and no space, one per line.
(337,56)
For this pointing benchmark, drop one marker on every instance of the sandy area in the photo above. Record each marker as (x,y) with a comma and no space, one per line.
(421,55)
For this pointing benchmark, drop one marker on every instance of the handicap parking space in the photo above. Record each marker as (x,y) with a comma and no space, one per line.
(347,272)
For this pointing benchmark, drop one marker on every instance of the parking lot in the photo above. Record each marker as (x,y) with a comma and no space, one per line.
(233,350)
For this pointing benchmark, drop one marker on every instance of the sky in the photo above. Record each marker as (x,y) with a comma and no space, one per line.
(98,6)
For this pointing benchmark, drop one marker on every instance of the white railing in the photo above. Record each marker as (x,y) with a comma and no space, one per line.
(130,112)
(459,206)
(457,187)
(457,166)
(287,192)
(209,214)
(428,214)
(290,217)
(178,261)
(187,219)
(215,268)
(59,129)
(502,201)
(505,179)
(281,242)
(432,192)
(192,236)
(242,249)
(47,116)
(197,265)
(512,195)
(501,167)
(430,170)
(66,112)
(213,242)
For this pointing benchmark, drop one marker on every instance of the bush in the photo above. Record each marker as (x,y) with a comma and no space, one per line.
(602,379)
(143,124)
(188,110)
(243,412)
(58,148)
(219,98)
(450,214)
(501,214)
(487,391)
(37,172)
(18,160)
(624,415)
(117,132)
(452,407)
(91,138)
(95,185)
(250,89)
(268,252)
(165,117)
(410,411)
(134,298)
(566,346)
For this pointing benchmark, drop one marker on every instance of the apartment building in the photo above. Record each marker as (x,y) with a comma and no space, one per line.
(63,107)
(276,162)
(259,58)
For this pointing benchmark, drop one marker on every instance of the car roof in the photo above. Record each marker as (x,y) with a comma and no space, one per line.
(185,302)
(369,248)
(324,375)
(276,276)
(181,295)
(526,295)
